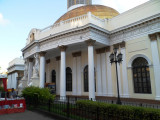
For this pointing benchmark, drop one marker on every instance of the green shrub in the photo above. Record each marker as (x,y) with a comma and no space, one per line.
(34,92)
(123,112)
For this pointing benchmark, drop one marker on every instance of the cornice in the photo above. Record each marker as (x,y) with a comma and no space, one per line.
(15,65)
(135,24)
(30,45)
(89,27)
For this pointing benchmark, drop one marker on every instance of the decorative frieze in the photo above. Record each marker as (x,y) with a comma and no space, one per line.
(76,54)
(100,50)
(103,50)
(117,36)
(42,53)
(116,45)
(58,58)
(90,42)
(62,48)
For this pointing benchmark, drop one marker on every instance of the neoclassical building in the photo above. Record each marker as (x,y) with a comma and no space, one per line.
(74,52)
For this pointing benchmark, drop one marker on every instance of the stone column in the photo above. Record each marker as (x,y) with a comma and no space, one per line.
(99,74)
(79,77)
(42,69)
(9,81)
(15,80)
(156,63)
(109,74)
(90,44)
(104,77)
(74,81)
(58,59)
(63,73)
(30,69)
(76,73)
(124,71)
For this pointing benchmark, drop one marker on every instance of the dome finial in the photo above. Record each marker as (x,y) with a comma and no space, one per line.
(71,3)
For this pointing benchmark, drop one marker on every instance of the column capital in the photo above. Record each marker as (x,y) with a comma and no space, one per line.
(116,45)
(153,36)
(62,48)
(58,58)
(90,42)
(123,44)
(30,59)
(76,54)
(42,53)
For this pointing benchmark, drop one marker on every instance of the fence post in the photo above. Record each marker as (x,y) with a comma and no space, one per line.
(97,113)
(49,105)
(141,104)
(68,112)
(75,98)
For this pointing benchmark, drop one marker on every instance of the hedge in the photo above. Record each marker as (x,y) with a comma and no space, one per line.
(123,112)
(34,92)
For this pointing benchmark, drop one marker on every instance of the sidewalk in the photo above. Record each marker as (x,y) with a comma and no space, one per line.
(27,115)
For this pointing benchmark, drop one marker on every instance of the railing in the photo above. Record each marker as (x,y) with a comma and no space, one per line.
(70,110)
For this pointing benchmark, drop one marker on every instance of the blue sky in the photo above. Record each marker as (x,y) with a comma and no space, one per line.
(18,17)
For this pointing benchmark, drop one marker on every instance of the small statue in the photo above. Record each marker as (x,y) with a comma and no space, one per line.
(36,66)
(25,71)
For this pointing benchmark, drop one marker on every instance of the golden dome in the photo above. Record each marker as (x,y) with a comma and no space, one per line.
(97,10)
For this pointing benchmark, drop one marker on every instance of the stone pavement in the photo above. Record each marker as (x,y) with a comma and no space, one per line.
(27,115)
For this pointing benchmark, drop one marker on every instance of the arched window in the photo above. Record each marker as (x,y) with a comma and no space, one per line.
(86,85)
(53,76)
(141,76)
(68,79)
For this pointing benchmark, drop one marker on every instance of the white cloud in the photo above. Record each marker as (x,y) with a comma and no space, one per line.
(3,21)
(120,5)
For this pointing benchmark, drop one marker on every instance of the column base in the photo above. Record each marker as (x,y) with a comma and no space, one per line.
(93,99)
(63,98)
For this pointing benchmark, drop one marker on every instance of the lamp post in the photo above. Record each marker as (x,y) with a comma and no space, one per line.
(114,58)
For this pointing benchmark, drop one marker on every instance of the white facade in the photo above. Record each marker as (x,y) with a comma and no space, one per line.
(15,72)
(89,40)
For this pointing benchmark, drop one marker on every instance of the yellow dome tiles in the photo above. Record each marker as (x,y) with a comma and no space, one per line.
(97,10)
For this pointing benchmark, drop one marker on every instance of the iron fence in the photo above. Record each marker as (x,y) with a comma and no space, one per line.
(70,110)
